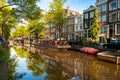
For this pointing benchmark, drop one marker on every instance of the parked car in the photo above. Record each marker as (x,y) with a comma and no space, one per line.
(71,41)
(114,44)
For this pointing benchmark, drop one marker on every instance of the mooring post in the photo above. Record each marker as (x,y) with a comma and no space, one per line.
(117,59)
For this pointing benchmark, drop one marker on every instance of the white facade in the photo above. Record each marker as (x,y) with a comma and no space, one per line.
(78,23)
(78,27)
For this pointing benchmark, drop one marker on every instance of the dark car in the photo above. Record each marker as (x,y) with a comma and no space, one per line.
(71,41)
(114,44)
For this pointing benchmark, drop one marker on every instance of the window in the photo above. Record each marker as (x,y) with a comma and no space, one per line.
(103,29)
(77,28)
(99,19)
(118,3)
(99,9)
(85,33)
(117,30)
(112,16)
(104,7)
(113,5)
(80,26)
(91,22)
(103,18)
(89,34)
(92,14)
(119,15)
(86,15)
(86,24)
(111,30)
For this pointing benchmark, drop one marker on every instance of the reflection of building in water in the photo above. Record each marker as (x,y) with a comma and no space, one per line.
(84,68)
(108,71)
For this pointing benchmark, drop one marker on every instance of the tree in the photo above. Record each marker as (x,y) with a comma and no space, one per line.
(95,27)
(57,15)
(7,20)
(20,9)
(35,27)
(20,31)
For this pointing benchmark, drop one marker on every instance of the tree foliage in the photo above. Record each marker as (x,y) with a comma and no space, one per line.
(57,14)
(7,20)
(20,31)
(35,27)
(26,9)
(95,26)
(13,12)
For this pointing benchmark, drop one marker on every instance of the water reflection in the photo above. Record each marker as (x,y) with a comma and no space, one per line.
(26,66)
(4,57)
(60,66)
(80,67)
(55,70)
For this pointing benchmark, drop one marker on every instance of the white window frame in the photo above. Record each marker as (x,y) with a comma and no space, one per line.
(91,14)
(116,29)
(86,14)
(110,18)
(119,15)
(104,5)
(99,18)
(118,3)
(103,17)
(99,9)
(110,6)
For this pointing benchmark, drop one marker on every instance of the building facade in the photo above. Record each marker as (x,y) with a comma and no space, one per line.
(102,6)
(109,19)
(78,28)
(67,30)
(114,18)
(88,20)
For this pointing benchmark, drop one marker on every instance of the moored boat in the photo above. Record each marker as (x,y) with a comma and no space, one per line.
(109,56)
(89,50)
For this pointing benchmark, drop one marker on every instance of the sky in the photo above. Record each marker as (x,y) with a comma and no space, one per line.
(76,5)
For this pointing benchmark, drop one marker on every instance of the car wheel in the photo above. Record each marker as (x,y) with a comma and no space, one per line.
(105,47)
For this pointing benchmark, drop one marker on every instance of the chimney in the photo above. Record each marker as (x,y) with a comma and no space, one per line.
(68,11)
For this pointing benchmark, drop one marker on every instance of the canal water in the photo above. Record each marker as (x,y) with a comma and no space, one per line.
(52,64)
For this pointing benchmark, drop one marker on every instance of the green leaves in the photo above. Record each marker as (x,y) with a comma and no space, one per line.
(57,15)
(20,31)
(7,21)
(35,26)
(15,10)
(95,27)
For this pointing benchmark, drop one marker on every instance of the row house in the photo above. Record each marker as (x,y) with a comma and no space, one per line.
(78,27)
(103,19)
(88,20)
(74,27)
(109,18)
(114,18)
(71,30)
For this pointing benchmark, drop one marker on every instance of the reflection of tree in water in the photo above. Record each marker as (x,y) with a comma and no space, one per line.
(36,64)
(56,71)
(12,74)
(21,53)
(4,54)
(95,70)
